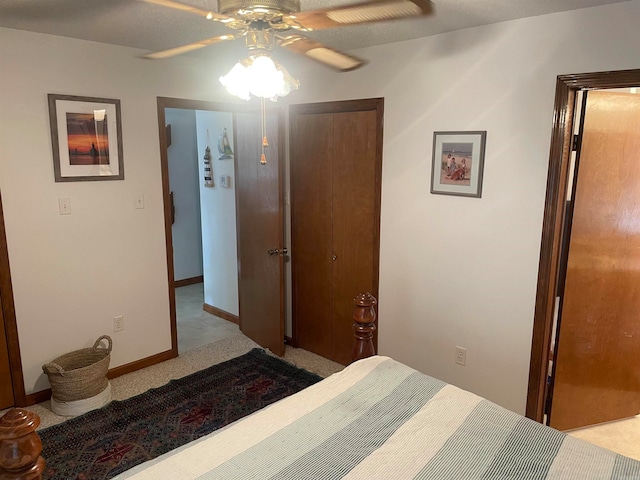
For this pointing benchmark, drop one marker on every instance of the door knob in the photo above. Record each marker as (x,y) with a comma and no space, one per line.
(272,252)
(334,258)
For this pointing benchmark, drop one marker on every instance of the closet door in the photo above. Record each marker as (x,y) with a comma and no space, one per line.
(355,205)
(311,221)
(336,159)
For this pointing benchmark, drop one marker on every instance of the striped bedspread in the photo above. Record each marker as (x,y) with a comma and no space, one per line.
(379,419)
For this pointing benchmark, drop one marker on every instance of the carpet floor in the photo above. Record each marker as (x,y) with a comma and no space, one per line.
(105,442)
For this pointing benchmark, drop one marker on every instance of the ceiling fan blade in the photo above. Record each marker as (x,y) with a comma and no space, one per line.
(188,48)
(189,8)
(366,12)
(321,53)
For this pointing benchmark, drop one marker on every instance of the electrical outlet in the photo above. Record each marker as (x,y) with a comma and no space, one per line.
(118,323)
(461,356)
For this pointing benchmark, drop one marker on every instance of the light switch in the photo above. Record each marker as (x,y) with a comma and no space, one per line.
(64,205)
(225,181)
(139,200)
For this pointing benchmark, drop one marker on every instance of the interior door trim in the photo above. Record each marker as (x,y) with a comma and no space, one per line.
(554,219)
(10,322)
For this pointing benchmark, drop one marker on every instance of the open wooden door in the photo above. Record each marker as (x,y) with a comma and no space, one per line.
(597,366)
(260,221)
(6,385)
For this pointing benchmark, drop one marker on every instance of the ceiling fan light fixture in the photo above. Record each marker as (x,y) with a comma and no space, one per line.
(259,76)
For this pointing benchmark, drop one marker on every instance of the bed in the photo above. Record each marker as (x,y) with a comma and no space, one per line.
(380,419)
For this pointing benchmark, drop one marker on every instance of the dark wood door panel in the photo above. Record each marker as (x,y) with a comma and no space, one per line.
(7,319)
(355,221)
(260,228)
(6,387)
(597,376)
(311,237)
(336,165)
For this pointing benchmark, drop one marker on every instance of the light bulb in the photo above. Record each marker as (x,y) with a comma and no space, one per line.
(266,81)
(237,81)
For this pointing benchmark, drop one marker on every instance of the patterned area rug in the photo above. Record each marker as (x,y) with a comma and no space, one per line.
(105,442)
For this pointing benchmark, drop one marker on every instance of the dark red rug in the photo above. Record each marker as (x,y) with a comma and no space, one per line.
(105,442)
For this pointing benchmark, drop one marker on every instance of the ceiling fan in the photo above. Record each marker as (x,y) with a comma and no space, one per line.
(266,23)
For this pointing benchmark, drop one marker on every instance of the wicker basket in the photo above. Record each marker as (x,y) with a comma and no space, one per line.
(80,374)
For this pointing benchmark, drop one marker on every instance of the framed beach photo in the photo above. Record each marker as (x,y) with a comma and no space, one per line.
(86,137)
(457,163)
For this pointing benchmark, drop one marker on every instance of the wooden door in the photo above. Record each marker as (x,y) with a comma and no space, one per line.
(356,221)
(597,374)
(6,385)
(260,227)
(336,160)
(311,152)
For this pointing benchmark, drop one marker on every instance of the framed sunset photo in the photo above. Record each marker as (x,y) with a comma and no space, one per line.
(86,137)
(457,163)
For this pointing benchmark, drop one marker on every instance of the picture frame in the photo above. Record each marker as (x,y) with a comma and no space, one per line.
(86,138)
(457,163)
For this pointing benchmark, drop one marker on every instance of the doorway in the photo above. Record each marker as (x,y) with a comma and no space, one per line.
(259,316)
(595,377)
(556,220)
(203,212)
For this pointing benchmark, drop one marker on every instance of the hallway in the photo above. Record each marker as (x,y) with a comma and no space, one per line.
(195,326)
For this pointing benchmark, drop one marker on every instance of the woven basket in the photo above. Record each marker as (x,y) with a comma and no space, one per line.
(80,374)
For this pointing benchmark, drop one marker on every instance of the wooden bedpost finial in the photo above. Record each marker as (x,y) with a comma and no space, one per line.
(20,446)
(364,316)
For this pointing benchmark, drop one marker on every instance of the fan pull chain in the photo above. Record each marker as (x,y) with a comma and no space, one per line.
(263,121)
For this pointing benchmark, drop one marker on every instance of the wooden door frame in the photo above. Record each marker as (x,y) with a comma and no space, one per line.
(554,220)
(10,322)
(344,106)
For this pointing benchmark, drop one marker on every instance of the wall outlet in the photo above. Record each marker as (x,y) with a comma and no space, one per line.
(118,323)
(461,356)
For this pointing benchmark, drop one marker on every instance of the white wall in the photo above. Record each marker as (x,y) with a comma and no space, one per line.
(463,271)
(182,156)
(72,274)
(218,207)
(499,78)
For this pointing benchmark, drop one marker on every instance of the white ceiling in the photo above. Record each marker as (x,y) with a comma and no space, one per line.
(135,23)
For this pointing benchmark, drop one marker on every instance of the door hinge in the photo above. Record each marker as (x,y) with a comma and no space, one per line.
(576,142)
